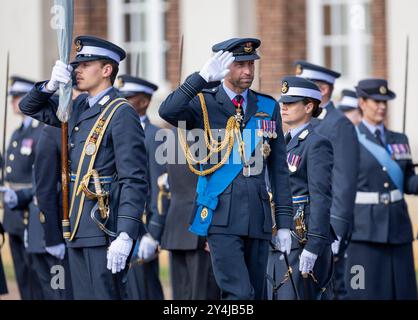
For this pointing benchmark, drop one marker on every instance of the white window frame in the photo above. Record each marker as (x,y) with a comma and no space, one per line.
(155,47)
(356,38)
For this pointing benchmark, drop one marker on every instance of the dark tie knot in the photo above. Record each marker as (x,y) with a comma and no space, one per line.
(378,133)
(238,99)
(287,138)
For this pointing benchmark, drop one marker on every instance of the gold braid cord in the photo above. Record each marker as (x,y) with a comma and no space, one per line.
(212,145)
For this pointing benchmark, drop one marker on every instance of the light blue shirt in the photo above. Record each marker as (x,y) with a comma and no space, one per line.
(26,122)
(372,128)
(231,94)
(93,100)
(294,132)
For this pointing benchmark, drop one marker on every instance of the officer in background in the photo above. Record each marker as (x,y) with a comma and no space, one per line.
(382,236)
(232,205)
(190,265)
(49,216)
(333,125)
(19,159)
(143,278)
(108,164)
(309,159)
(349,106)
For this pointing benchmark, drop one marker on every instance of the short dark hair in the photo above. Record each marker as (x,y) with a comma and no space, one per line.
(316,111)
(115,68)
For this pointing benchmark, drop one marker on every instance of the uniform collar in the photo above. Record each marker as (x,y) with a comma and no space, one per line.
(372,128)
(93,100)
(294,132)
(231,94)
(143,118)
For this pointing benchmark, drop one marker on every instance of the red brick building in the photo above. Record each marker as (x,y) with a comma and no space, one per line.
(318,30)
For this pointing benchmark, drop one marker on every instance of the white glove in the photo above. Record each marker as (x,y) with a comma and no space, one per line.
(335,246)
(10,197)
(61,73)
(118,252)
(147,248)
(307,261)
(283,240)
(216,68)
(58,251)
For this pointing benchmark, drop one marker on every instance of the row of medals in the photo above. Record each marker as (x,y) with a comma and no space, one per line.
(266,129)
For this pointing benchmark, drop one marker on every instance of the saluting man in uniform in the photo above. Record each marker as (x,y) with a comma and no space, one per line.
(144,278)
(108,165)
(349,106)
(232,205)
(333,125)
(382,237)
(309,158)
(18,162)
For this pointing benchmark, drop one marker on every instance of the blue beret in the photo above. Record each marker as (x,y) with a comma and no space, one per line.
(91,48)
(295,89)
(376,89)
(243,49)
(130,86)
(313,72)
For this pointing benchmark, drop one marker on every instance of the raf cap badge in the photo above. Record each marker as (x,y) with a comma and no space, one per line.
(299,69)
(120,83)
(383,90)
(248,48)
(78,46)
(285,87)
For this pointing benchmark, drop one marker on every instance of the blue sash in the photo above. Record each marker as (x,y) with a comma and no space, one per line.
(209,189)
(383,157)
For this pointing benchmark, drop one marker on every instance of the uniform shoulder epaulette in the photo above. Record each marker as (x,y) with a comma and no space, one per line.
(210,90)
(263,94)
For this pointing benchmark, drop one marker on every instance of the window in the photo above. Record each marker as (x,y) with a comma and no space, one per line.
(339,37)
(139,27)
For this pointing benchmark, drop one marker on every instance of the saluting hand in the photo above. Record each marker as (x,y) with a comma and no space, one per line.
(216,68)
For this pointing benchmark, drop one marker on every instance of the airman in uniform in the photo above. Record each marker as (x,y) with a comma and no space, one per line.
(309,159)
(381,243)
(232,205)
(144,278)
(107,164)
(333,125)
(19,159)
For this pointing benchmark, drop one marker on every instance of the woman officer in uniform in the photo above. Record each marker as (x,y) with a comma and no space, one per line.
(310,161)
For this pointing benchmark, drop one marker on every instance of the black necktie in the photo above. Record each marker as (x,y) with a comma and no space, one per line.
(378,135)
(287,137)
